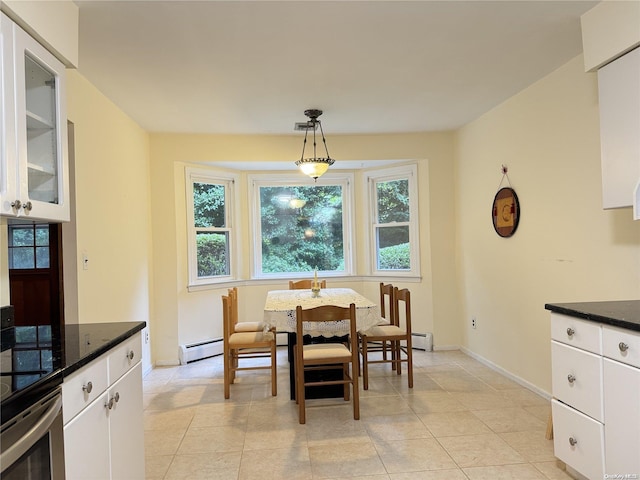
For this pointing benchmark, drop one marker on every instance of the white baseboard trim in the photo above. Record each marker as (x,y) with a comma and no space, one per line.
(506,373)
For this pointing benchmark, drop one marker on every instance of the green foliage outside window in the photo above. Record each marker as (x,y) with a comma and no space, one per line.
(212,245)
(393,239)
(301,229)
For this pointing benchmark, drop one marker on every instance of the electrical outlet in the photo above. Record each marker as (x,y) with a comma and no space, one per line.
(473,322)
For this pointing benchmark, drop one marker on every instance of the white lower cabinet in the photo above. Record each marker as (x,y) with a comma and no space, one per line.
(596,404)
(103,429)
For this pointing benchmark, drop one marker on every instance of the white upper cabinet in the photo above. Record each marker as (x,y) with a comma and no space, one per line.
(619,99)
(34,172)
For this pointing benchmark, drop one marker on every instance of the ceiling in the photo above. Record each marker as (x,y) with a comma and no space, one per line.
(240,67)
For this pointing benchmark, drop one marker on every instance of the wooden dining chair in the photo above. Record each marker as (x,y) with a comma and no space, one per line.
(327,356)
(395,334)
(239,346)
(305,284)
(238,326)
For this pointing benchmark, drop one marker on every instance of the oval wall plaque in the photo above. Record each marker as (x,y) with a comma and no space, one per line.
(506,212)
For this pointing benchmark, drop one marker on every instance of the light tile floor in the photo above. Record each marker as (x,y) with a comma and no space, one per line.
(461,420)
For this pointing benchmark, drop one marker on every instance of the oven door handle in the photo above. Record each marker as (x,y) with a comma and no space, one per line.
(20,447)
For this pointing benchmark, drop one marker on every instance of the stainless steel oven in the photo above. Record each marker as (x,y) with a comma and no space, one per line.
(31,441)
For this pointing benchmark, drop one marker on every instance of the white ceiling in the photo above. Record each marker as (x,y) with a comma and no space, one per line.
(372,66)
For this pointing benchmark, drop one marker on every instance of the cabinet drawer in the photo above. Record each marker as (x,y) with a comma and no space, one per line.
(83,386)
(578,333)
(124,357)
(577,379)
(578,440)
(621,345)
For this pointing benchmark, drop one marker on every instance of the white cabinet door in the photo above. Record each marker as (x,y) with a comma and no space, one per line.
(86,443)
(8,153)
(35,156)
(622,418)
(127,427)
(619,99)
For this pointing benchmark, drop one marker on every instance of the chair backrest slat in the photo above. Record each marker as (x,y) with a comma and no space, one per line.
(305,284)
(386,299)
(326,313)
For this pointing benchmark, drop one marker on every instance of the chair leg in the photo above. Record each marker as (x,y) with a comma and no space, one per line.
(345,375)
(227,379)
(300,391)
(410,364)
(356,398)
(365,364)
(274,369)
(398,352)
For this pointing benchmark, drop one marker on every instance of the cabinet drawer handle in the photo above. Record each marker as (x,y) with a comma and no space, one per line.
(572,441)
(623,347)
(570,331)
(88,387)
(571,378)
(130,355)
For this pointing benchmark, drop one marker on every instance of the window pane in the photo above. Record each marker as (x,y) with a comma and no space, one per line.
(393,201)
(393,248)
(42,235)
(301,228)
(42,257)
(208,205)
(21,257)
(212,253)
(20,236)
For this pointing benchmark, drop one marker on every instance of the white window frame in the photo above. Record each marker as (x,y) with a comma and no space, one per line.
(371,178)
(230,182)
(345,180)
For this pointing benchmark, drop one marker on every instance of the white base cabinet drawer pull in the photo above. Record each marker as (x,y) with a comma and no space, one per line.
(623,347)
(572,441)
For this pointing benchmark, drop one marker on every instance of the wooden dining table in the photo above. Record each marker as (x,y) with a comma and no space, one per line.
(280,312)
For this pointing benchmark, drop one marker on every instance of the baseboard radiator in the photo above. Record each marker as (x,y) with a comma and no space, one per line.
(198,351)
(422,341)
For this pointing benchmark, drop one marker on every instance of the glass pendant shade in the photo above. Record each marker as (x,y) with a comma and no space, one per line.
(316,166)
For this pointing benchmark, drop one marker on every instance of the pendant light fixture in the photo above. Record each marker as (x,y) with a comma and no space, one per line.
(315,166)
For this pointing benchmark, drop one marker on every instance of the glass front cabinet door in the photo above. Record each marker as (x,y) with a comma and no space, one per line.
(35,171)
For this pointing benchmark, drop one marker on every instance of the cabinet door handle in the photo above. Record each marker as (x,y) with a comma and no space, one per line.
(88,387)
(130,355)
(623,347)
(570,331)
(116,397)
(571,378)
(16,204)
(27,206)
(572,441)
(109,404)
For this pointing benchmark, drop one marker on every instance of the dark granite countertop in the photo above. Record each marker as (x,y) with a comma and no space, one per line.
(87,341)
(623,313)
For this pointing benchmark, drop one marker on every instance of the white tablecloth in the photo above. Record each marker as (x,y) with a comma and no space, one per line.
(280,310)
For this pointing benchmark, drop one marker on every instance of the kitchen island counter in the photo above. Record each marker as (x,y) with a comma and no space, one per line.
(85,342)
(623,313)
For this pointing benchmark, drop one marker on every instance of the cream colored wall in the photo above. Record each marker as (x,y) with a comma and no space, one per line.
(185,317)
(112,207)
(566,248)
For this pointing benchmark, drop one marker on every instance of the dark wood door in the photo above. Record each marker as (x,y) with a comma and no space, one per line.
(35,274)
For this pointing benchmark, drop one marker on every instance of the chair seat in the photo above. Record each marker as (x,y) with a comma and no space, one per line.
(249,327)
(384,331)
(326,351)
(244,338)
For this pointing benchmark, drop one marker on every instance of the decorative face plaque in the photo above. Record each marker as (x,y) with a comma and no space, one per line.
(506,212)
